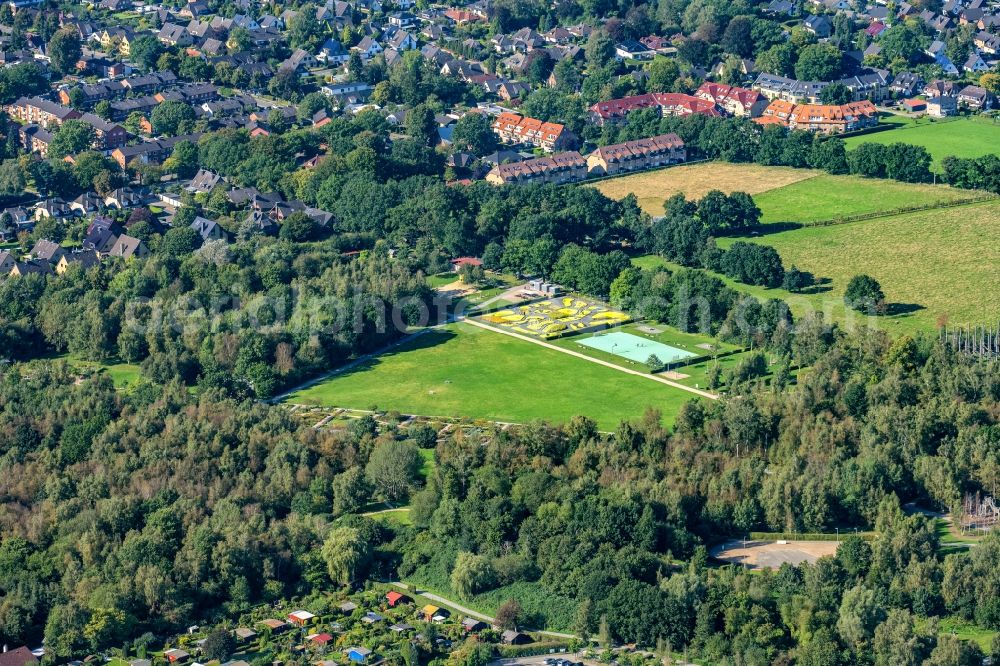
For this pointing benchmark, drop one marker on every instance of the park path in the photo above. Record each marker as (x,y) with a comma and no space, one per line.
(471,613)
(608,364)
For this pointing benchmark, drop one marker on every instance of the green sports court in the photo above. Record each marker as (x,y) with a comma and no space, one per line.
(635,348)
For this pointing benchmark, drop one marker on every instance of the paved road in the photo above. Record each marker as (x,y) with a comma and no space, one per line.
(476,614)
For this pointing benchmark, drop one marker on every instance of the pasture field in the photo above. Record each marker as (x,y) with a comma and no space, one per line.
(827,197)
(652,188)
(465,371)
(932,265)
(962,137)
(783,194)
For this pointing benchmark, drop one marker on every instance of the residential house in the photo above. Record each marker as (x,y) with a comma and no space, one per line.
(204,182)
(741,102)
(54,208)
(123,198)
(668,104)
(333,53)
(937,51)
(630,49)
(942,106)
(7,262)
(975,64)
(83,258)
(637,155)
(368,47)
(566,167)
(906,84)
(792,90)
(821,118)
(208,229)
(86,203)
(819,25)
(46,250)
(975,98)
(514,128)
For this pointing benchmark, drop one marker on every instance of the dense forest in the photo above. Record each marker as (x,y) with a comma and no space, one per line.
(146,511)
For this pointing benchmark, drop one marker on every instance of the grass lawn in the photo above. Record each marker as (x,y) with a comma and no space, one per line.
(465,371)
(553,612)
(427,467)
(397,517)
(441,279)
(828,197)
(955,626)
(963,137)
(932,264)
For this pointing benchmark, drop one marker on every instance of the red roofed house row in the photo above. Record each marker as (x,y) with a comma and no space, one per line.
(823,118)
(669,104)
(735,101)
(513,128)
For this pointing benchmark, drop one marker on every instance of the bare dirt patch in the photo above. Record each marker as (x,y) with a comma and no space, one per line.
(695,180)
(772,554)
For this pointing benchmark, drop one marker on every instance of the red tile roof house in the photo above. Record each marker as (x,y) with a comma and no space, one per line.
(669,104)
(735,101)
(513,128)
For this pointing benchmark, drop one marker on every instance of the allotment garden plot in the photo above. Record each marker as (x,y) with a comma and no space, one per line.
(555,317)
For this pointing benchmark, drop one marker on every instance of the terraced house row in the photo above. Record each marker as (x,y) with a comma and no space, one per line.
(822,118)
(571,167)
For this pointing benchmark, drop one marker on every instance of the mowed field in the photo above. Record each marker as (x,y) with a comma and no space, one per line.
(465,371)
(932,265)
(695,180)
(783,194)
(827,197)
(962,137)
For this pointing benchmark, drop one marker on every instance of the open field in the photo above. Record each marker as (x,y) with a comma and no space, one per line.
(828,197)
(783,194)
(931,264)
(961,137)
(462,370)
(695,180)
(772,554)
